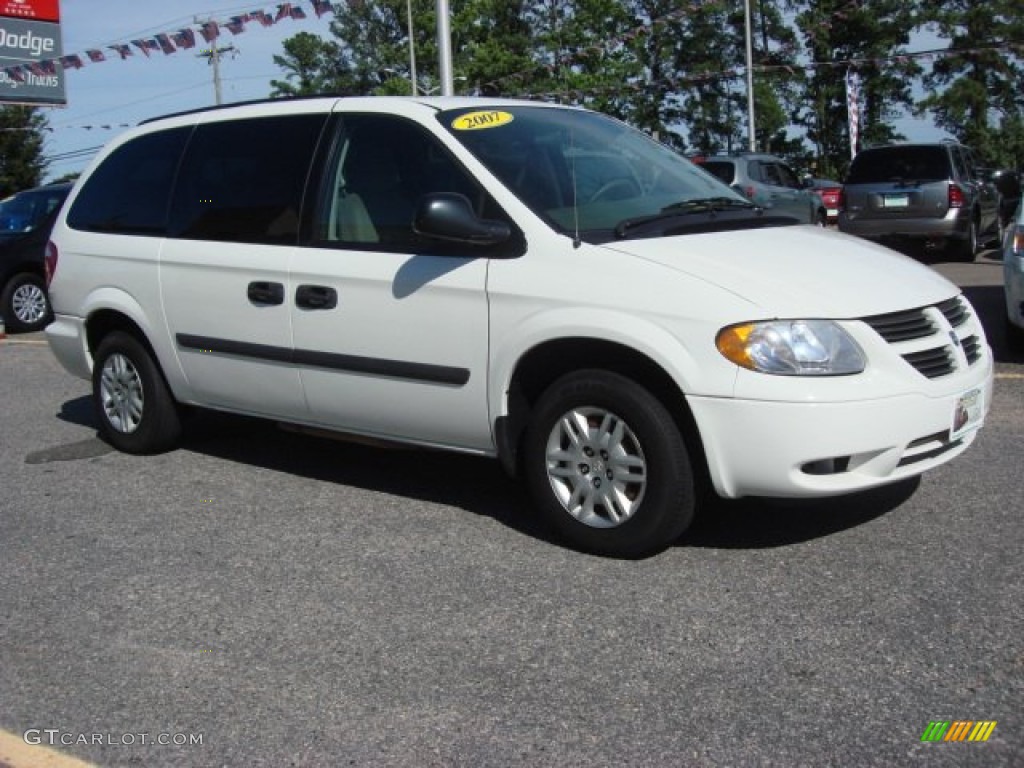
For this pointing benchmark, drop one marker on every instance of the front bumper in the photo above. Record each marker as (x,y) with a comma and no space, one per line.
(806,450)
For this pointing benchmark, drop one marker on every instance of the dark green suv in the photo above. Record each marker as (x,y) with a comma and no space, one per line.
(932,193)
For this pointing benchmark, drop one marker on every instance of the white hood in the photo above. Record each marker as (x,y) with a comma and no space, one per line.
(799,271)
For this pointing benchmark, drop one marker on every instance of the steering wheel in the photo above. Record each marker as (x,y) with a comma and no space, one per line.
(627,188)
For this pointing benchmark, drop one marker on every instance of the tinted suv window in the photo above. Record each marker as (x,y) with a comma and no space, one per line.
(723,169)
(242,180)
(900,163)
(128,193)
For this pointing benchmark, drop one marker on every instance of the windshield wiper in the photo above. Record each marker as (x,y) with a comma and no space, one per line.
(684,208)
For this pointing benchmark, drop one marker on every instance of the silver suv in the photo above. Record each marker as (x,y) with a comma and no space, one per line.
(768,182)
(933,193)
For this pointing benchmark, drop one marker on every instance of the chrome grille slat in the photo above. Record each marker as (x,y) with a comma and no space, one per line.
(902,326)
(972,349)
(954,310)
(932,362)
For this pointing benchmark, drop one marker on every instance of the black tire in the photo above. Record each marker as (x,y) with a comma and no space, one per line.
(966,250)
(1014,336)
(24,305)
(821,219)
(641,436)
(136,411)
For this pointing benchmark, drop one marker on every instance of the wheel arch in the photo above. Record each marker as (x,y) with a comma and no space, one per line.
(121,313)
(103,322)
(546,362)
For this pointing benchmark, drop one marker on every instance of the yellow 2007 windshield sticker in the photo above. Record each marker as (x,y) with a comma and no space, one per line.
(476,121)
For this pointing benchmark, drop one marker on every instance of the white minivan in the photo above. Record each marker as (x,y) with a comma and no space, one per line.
(536,283)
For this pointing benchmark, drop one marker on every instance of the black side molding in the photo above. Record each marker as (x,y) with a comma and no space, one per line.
(371,366)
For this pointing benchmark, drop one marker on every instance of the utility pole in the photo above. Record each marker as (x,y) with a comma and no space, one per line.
(412,48)
(752,134)
(212,56)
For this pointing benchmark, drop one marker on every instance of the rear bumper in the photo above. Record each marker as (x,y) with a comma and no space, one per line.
(67,338)
(952,226)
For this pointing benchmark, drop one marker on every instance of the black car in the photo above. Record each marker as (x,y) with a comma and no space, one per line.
(26,219)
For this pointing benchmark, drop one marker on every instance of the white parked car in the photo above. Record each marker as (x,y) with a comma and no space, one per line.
(539,284)
(1013,279)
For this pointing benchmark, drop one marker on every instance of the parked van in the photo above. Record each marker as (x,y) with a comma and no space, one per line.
(540,284)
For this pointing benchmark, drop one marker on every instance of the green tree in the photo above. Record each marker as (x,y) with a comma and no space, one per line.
(309,65)
(873,34)
(21,148)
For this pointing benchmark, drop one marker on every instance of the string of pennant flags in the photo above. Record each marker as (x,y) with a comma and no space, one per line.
(169,42)
(209,31)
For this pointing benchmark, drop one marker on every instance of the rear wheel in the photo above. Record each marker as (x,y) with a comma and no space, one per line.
(607,466)
(965,250)
(24,304)
(136,411)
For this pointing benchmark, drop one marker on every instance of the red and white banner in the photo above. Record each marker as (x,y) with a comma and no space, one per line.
(853,108)
(31,10)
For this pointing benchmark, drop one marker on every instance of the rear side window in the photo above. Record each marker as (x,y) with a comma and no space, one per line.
(894,164)
(724,170)
(242,180)
(129,193)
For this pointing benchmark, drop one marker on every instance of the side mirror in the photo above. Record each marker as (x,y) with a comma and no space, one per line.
(450,216)
(1007,182)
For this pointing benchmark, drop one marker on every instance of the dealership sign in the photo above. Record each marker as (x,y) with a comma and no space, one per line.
(30,49)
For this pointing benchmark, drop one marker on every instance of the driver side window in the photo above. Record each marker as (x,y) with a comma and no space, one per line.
(380,168)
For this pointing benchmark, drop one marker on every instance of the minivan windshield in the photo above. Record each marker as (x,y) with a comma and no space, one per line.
(588,173)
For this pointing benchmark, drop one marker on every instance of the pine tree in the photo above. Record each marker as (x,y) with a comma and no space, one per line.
(980,77)
(21,148)
(872,35)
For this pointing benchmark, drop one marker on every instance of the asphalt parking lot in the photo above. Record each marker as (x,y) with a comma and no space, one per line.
(261,598)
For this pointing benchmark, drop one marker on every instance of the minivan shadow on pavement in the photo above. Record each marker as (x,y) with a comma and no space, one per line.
(479,485)
(765,523)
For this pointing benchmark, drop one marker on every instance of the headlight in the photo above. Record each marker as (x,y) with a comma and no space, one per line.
(791,348)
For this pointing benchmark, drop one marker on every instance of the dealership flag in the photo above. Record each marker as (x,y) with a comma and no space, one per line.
(853,109)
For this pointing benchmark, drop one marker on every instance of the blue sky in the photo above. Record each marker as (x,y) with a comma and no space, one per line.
(115,92)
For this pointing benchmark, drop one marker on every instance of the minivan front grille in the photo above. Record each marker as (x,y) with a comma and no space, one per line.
(906,329)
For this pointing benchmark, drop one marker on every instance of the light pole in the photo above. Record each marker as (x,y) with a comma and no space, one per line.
(444,48)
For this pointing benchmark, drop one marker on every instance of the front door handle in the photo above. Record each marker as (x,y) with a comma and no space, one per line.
(316,297)
(264,294)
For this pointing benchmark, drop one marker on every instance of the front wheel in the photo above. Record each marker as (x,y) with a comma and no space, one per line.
(136,411)
(607,466)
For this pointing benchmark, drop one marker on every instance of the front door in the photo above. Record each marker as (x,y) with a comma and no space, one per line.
(391,331)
